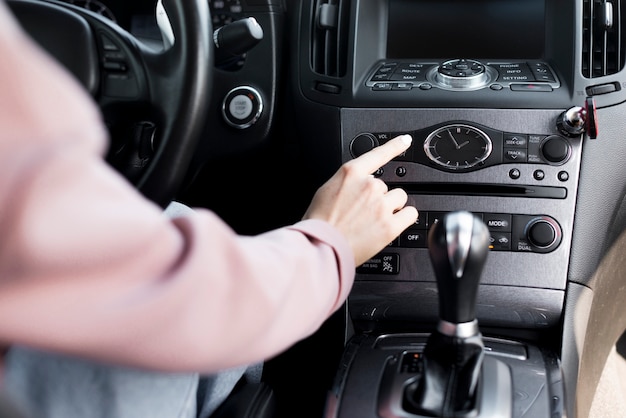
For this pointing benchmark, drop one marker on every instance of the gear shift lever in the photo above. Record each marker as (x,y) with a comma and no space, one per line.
(458,247)
(453,356)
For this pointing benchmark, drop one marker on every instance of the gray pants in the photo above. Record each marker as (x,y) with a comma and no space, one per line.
(48,385)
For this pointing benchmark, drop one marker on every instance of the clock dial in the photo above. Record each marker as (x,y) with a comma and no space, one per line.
(458,146)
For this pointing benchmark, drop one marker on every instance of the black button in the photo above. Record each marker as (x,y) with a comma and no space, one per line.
(515,155)
(382,86)
(401,171)
(362,144)
(434,217)
(402,86)
(498,221)
(601,89)
(413,239)
(515,141)
(514,173)
(500,241)
(421,222)
(328,88)
(379,172)
(539,175)
(563,176)
(555,149)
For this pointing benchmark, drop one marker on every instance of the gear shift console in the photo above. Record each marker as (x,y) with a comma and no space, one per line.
(453,372)
(452,361)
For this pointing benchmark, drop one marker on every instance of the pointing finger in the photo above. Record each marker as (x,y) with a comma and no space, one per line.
(379,156)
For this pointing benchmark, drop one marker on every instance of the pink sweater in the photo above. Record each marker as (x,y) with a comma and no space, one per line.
(89,267)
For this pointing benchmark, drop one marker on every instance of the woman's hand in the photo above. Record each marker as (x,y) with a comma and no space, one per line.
(361,206)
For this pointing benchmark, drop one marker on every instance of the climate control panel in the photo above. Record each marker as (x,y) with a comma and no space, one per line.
(508,232)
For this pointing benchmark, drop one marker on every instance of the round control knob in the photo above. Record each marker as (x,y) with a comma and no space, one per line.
(543,234)
(363,143)
(242,107)
(556,149)
(462,74)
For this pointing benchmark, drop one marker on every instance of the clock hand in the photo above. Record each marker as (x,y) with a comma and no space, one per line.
(462,145)
(456,144)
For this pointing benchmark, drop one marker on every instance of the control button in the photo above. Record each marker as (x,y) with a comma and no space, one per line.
(413,239)
(518,155)
(108,44)
(426,86)
(242,107)
(563,176)
(328,88)
(556,149)
(383,263)
(498,221)
(515,141)
(434,217)
(362,143)
(514,173)
(542,72)
(500,241)
(421,222)
(401,171)
(381,76)
(602,89)
(406,77)
(379,172)
(382,86)
(402,86)
(539,175)
(531,87)
(496,87)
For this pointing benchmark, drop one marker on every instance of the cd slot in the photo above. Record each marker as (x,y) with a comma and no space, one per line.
(472,189)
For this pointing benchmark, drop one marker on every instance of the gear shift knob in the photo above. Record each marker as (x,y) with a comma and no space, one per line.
(458,247)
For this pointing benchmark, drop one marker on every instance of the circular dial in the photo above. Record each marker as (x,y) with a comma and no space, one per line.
(458,146)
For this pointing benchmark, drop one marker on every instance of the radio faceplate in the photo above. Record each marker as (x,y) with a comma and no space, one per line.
(504,188)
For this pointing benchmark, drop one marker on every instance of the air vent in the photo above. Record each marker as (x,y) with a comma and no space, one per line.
(602,43)
(329,37)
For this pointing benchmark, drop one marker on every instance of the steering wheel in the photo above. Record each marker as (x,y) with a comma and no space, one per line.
(154,99)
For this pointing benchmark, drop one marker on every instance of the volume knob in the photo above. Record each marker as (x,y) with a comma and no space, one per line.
(363,143)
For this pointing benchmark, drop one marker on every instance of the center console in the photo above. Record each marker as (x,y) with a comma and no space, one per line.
(500,98)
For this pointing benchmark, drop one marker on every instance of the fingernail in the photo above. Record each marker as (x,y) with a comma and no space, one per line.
(407,139)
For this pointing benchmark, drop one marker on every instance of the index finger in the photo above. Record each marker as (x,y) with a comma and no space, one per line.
(381,155)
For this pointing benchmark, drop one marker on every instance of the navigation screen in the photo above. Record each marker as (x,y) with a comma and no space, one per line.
(481,29)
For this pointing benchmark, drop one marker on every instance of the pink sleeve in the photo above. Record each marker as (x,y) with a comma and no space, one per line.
(89,267)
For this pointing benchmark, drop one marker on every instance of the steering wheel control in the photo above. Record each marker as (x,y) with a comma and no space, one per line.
(463,75)
(242,107)
(463,146)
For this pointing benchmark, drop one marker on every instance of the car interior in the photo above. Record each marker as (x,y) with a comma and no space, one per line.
(506,297)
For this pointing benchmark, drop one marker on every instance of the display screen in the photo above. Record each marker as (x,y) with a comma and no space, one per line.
(480,29)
